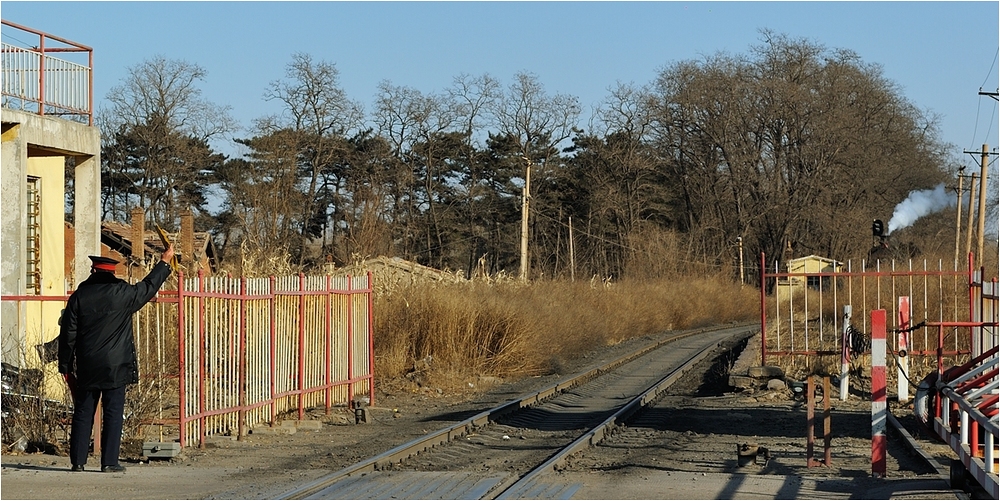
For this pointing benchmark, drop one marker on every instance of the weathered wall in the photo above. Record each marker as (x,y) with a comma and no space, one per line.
(40,146)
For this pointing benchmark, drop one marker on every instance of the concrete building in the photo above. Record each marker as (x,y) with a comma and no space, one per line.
(47,135)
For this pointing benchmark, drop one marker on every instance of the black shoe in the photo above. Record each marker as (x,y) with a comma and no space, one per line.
(112,468)
(77,467)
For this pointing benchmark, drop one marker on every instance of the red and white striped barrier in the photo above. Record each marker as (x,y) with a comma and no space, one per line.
(879,416)
(903,350)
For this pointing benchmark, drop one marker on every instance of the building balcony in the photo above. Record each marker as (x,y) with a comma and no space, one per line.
(36,81)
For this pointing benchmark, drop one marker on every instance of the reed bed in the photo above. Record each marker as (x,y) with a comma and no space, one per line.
(452,334)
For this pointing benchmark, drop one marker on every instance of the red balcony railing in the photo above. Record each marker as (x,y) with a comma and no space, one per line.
(34,80)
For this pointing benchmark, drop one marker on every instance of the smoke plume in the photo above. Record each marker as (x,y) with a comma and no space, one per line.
(919,204)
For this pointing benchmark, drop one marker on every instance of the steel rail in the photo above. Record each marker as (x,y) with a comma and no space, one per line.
(409,449)
(599,432)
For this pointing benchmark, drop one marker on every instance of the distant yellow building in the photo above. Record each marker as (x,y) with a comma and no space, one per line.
(801,277)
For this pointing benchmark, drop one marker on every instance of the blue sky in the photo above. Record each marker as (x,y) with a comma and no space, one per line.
(939,53)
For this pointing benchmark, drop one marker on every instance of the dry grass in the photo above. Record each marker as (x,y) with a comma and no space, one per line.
(451,334)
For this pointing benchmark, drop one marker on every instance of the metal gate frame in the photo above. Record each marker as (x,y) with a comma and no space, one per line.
(923,280)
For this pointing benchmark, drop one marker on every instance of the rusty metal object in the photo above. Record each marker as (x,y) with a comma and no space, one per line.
(747,454)
(811,420)
(174,261)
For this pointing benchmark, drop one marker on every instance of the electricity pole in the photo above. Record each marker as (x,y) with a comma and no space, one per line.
(572,258)
(739,243)
(968,230)
(525,197)
(958,215)
(981,226)
(982,204)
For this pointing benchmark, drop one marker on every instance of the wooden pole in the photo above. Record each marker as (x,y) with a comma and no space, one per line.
(572,258)
(972,198)
(525,197)
(958,219)
(982,205)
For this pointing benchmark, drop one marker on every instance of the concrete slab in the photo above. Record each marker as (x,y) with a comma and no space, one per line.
(648,484)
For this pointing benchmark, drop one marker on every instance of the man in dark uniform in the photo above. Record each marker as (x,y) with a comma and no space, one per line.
(97,354)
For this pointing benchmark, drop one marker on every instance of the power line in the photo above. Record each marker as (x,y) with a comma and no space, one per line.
(975,130)
(989,73)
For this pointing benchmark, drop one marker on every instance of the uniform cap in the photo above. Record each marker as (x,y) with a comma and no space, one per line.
(103,263)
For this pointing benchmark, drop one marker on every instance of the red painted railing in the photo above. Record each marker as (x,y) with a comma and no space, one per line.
(53,86)
(268,346)
(248,349)
(806,321)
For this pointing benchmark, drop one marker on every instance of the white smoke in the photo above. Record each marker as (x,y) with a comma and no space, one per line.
(919,204)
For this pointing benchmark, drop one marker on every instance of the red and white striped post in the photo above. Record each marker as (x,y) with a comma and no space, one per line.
(903,345)
(879,416)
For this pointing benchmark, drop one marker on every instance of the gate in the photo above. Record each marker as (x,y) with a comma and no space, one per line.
(809,314)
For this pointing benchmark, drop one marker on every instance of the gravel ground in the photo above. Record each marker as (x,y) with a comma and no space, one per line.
(265,465)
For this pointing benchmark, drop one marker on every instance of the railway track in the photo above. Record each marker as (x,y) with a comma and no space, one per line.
(499,453)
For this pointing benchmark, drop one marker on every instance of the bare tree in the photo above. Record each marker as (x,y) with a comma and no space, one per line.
(793,145)
(320,116)
(159,128)
(535,124)
(418,126)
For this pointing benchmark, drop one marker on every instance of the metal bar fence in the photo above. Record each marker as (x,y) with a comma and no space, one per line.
(220,355)
(806,317)
(53,86)
(261,347)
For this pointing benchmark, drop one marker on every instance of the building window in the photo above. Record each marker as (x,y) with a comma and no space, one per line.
(34,265)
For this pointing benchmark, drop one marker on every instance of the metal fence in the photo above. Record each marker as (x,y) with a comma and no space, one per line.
(811,320)
(220,355)
(255,348)
(34,80)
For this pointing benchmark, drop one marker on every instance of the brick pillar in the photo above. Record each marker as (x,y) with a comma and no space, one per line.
(139,236)
(187,239)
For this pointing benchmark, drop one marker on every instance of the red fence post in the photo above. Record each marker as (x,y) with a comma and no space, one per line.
(302,345)
(181,362)
(879,416)
(371,340)
(241,432)
(201,359)
(273,348)
(328,340)
(350,342)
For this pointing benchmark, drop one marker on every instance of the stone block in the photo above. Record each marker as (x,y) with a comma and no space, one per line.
(275,430)
(161,449)
(765,371)
(306,424)
(742,382)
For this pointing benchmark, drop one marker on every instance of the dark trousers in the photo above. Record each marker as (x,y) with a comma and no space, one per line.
(112,419)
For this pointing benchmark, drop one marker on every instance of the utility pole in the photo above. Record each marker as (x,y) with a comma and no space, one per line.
(982,204)
(984,159)
(525,197)
(739,243)
(958,215)
(572,258)
(968,230)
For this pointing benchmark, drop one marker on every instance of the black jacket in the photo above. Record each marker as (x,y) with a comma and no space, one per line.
(95,339)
